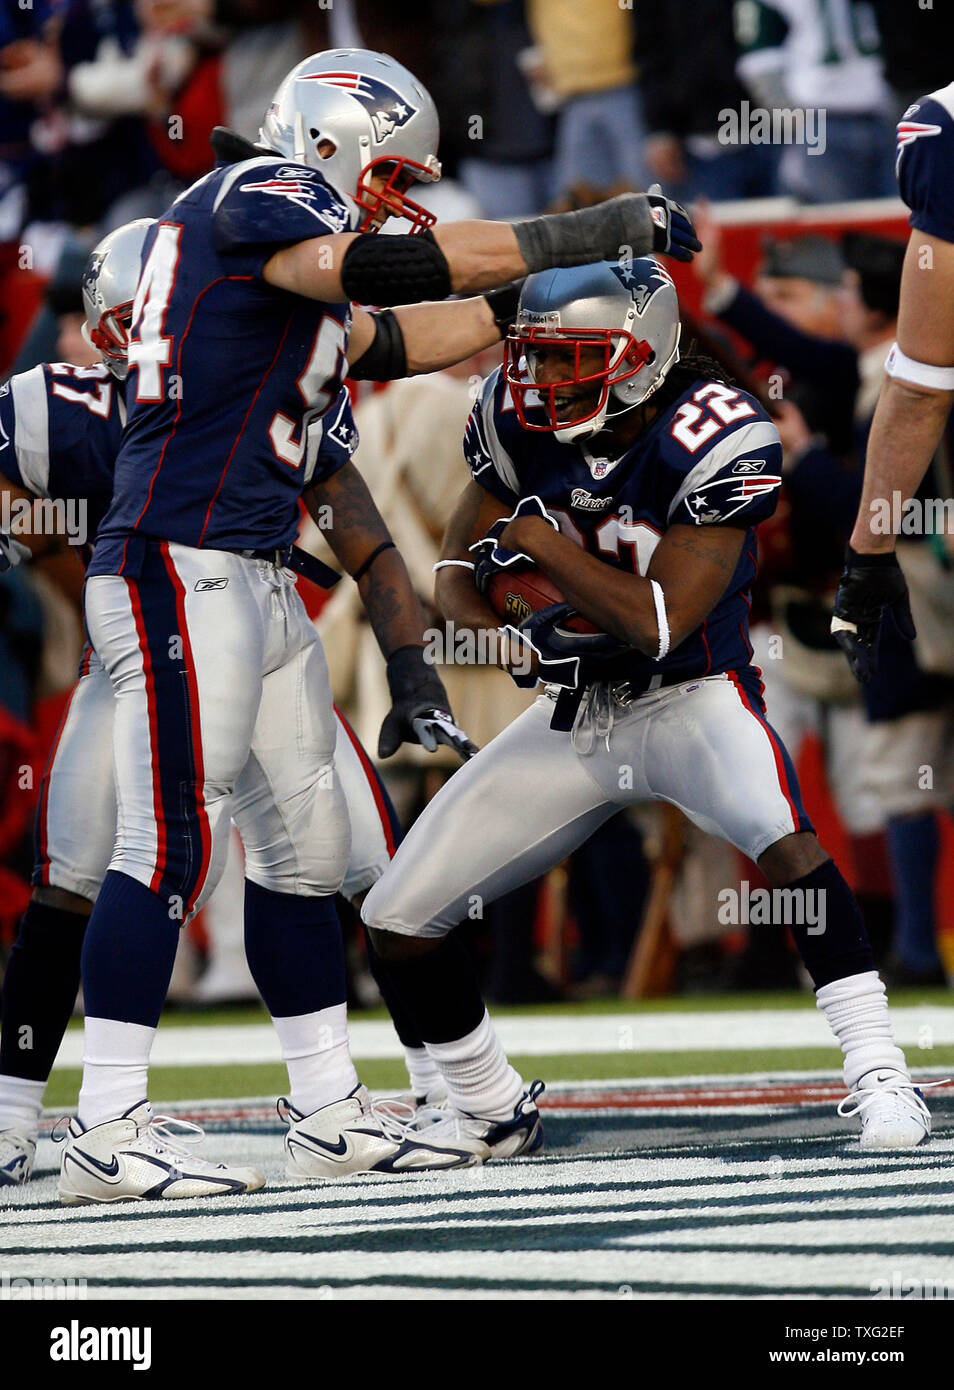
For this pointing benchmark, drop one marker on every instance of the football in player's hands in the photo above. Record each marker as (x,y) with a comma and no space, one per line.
(515,595)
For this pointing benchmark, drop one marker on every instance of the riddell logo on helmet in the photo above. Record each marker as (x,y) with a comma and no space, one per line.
(389,111)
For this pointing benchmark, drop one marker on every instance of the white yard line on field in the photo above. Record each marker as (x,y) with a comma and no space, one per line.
(757,1030)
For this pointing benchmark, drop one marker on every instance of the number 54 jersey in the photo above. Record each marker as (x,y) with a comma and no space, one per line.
(226,372)
(712,457)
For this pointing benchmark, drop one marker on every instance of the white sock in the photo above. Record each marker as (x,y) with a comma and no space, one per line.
(857,1009)
(21,1101)
(318,1057)
(479,1079)
(423,1072)
(115,1069)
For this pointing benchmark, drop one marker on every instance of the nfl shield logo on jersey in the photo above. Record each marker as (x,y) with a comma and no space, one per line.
(389,111)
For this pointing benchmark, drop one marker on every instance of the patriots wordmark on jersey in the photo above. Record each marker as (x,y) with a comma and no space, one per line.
(60,427)
(226,373)
(712,457)
(925,163)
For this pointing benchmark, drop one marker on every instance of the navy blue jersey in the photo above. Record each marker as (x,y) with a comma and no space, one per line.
(60,432)
(226,372)
(712,458)
(925,163)
(60,428)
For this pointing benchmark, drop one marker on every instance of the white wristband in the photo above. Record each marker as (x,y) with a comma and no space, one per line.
(920,373)
(662,622)
(442,565)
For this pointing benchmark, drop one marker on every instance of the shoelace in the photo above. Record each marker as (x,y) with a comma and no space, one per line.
(395,1117)
(595,718)
(161,1131)
(905,1092)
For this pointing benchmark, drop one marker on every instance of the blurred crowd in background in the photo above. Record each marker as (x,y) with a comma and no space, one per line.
(105,111)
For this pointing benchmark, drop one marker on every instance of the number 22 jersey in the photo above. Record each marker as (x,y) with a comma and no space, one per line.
(710,458)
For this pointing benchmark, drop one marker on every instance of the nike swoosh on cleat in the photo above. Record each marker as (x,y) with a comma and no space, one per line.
(108,1170)
(339,1150)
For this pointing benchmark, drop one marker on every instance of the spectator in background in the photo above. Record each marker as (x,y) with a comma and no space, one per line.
(873,770)
(825,58)
(792,319)
(586,57)
(490,125)
(917,42)
(686,87)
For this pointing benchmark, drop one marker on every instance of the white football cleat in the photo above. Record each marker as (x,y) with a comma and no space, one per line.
(357,1135)
(17,1152)
(523,1134)
(143,1157)
(892,1109)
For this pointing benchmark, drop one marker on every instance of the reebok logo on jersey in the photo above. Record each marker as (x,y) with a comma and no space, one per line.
(579,497)
(748,466)
(203,585)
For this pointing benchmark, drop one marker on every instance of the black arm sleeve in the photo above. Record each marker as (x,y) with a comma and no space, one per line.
(395,269)
(384,359)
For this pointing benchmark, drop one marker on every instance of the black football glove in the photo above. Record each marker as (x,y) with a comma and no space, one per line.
(420,710)
(570,659)
(869,585)
(673,232)
(490,558)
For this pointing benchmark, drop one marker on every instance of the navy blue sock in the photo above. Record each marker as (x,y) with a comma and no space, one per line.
(913,845)
(129,952)
(294,951)
(39,990)
(842,948)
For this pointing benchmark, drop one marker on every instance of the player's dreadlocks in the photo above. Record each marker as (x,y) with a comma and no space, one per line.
(691,366)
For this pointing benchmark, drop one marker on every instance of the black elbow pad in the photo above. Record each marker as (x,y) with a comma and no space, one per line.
(395,269)
(385,359)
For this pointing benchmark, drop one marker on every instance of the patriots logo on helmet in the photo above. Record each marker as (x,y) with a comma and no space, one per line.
(643,291)
(388,109)
(90,280)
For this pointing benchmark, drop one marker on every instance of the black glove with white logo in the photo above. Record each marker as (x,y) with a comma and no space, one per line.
(869,585)
(673,232)
(420,710)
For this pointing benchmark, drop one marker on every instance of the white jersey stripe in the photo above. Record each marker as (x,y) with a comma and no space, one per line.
(740,443)
(32,434)
(503,463)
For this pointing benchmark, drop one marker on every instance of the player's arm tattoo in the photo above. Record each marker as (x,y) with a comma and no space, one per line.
(708,547)
(691,566)
(356,531)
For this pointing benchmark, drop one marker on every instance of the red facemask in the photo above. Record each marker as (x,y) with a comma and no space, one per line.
(618,366)
(111,334)
(392,196)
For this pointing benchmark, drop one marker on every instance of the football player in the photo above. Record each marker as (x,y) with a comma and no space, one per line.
(918,391)
(60,428)
(241,334)
(635,482)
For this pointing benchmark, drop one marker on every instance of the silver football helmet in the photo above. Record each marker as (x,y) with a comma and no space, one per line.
(377,116)
(109,288)
(623,314)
